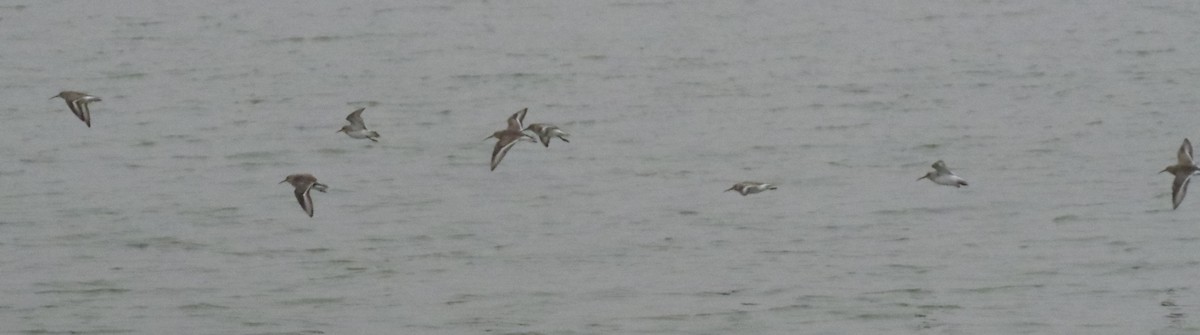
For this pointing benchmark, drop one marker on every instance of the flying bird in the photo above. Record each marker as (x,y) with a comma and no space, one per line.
(942,176)
(1183,173)
(357,128)
(304,183)
(78,103)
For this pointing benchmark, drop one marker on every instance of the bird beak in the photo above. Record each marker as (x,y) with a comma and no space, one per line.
(1164,170)
(340,130)
(923,177)
(284,181)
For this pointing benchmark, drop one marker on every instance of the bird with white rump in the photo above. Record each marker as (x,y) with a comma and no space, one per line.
(942,176)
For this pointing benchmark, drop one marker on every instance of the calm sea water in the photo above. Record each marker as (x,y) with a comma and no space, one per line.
(165,216)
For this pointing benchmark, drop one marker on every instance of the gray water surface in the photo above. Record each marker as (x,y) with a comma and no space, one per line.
(165,216)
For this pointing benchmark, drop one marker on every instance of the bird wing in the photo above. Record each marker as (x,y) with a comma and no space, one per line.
(517,119)
(356,120)
(1185,153)
(305,199)
(502,146)
(1179,188)
(941,168)
(80,108)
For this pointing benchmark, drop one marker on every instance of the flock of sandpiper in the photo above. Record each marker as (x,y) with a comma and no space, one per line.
(516,132)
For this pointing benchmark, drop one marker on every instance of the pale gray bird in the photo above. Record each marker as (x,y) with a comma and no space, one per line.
(942,176)
(750,187)
(546,132)
(357,128)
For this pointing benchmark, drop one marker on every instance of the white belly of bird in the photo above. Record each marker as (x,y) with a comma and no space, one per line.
(357,133)
(948,180)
